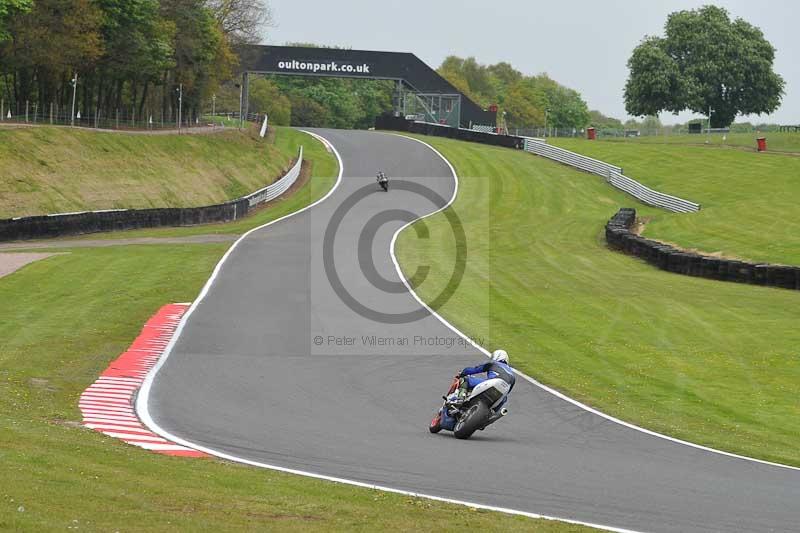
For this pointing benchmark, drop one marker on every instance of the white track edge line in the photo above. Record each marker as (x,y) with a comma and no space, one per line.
(140,406)
(144,415)
(529,378)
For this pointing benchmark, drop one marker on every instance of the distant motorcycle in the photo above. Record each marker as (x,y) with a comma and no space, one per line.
(383,181)
(464,414)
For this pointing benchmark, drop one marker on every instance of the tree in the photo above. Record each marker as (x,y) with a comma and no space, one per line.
(503,76)
(567,108)
(7,9)
(452,69)
(523,98)
(242,21)
(651,125)
(48,45)
(524,104)
(602,122)
(265,97)
(307,112)
(131,55)
(137,50)
(704,61)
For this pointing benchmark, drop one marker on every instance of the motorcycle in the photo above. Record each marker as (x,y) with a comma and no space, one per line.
(383,181)
(464,414)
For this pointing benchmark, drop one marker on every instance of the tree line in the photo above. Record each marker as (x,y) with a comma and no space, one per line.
(129,55)
(345,103)
(527,101)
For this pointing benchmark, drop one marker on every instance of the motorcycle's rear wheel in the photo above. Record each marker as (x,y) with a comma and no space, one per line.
(471,421)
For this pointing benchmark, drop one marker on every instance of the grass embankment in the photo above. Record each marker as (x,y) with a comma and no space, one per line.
(751,201)
(324,169)
(776,141)
(62,320)
(715,363)
(52,170)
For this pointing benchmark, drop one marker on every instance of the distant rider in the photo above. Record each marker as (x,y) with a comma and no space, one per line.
(498,367)
(383,181)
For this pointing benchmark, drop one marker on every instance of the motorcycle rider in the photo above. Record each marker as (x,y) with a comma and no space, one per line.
(383,181)
(498,367)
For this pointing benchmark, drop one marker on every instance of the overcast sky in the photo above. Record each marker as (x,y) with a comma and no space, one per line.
(583,44)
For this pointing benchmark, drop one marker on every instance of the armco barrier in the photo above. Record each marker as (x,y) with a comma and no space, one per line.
(612,175)
(620,237)
(270,192)
(570,158)
(63,224)
(389,122)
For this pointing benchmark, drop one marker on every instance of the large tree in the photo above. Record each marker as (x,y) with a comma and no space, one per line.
(704,61)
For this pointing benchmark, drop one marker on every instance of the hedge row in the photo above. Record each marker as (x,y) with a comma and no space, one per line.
(665,257)
(390,122)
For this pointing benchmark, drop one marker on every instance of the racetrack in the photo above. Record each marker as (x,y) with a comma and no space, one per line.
(246,378)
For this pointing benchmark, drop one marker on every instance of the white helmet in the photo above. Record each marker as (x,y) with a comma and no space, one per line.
(500,356)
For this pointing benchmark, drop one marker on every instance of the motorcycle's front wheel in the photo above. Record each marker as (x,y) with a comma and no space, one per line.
(436,424)
(471,421)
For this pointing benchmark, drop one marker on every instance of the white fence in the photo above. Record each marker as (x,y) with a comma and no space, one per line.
(274,190)
(612,175)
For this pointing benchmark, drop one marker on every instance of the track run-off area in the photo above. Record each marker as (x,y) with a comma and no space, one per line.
(306,352)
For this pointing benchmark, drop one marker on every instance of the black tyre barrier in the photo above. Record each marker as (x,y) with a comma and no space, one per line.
(38,227)
(620,237)
(390,122)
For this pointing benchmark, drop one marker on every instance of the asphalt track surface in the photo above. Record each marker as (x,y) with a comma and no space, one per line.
(247,378)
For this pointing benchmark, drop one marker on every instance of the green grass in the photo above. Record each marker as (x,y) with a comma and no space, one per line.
(715,363)
(750,201)
(324,169)
(52,170)
(776,141)
(62,320)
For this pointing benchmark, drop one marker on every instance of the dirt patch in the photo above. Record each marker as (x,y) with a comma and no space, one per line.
(93,243)
(42,383)
(194,130)
(67,423)
(640,224)
(14,261)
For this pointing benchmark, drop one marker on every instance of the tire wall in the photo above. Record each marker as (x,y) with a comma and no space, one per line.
(620,237)
(96,221)
(389,122)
